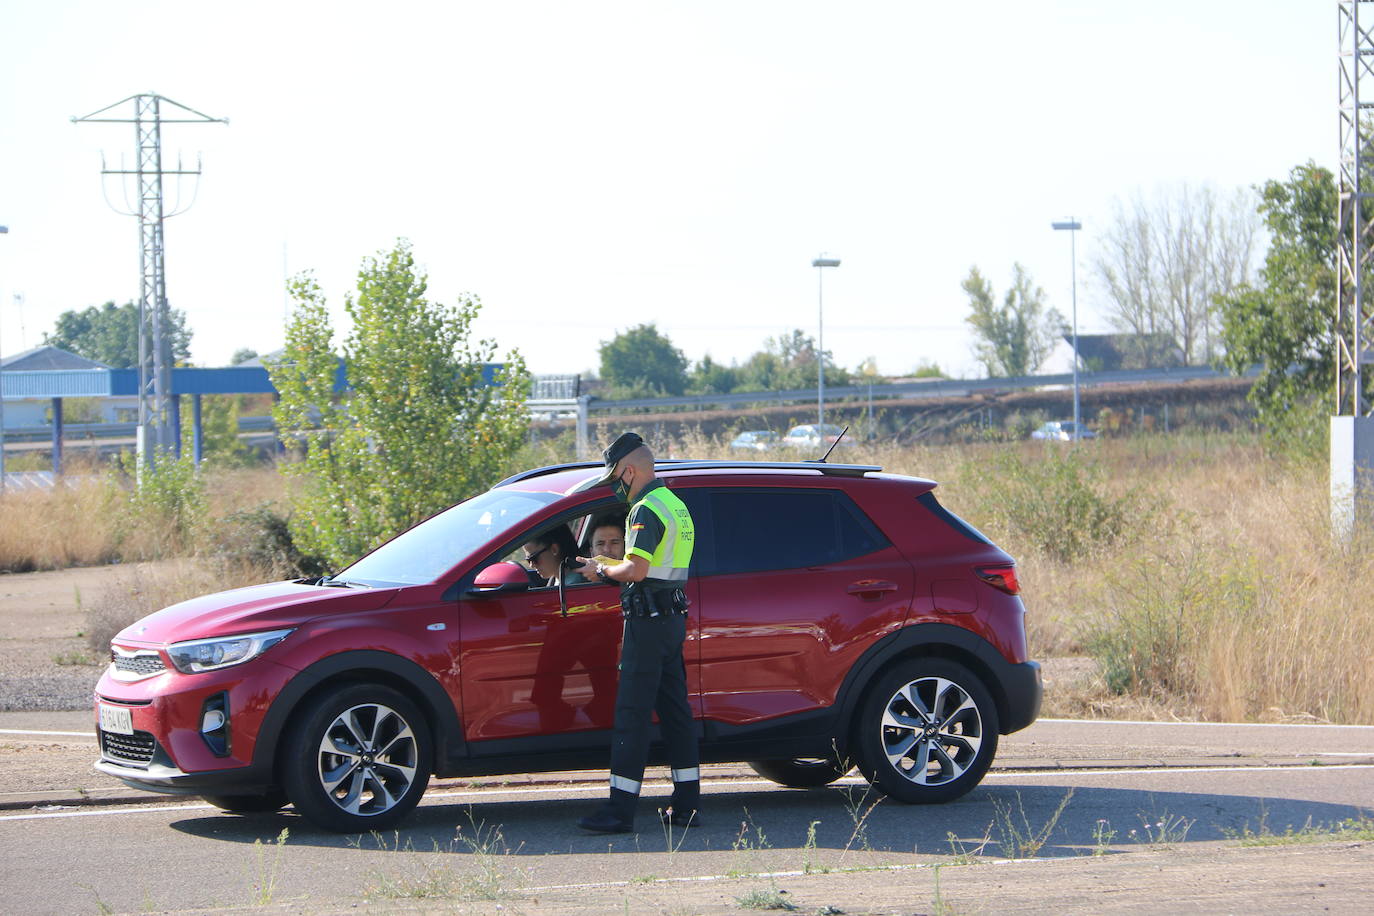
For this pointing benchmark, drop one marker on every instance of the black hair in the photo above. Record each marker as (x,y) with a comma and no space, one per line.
(613,519)
(560,535)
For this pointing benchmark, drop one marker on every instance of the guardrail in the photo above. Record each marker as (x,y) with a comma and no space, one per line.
(933,388)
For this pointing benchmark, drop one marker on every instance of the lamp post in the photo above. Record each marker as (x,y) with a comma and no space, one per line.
(1072,226)
(820,263)
(4,230)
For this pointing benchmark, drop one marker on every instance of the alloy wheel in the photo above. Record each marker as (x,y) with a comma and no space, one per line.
(367,759)
(931,731)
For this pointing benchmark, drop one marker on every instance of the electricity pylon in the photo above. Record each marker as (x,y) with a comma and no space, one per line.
(155,421)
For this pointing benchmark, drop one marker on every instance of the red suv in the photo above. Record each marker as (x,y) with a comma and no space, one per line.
(839,616)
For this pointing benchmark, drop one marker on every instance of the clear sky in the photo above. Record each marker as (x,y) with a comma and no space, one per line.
(584,167)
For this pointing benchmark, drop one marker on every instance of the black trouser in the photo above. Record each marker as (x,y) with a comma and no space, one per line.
(653,678)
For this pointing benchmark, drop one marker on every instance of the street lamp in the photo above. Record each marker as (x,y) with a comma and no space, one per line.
(4,230)
(1073,225)
(820,263)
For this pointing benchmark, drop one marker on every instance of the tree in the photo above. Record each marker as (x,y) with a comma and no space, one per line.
(1287,323)
(1163,263)
(1016,337)
(417,431)
(109,334)
(642,360)
(242,355)
(788,362)
(710,377)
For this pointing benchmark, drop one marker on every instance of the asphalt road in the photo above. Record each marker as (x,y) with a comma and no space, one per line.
(1160,805)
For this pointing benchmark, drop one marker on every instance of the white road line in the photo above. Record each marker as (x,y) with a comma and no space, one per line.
(25,731)
(1207,724)
(596,791)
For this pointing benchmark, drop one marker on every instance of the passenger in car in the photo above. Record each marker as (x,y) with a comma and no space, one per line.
(545,553)
(608,536)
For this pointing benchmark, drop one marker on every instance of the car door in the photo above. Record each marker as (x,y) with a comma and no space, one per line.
(528,670)
(794,585)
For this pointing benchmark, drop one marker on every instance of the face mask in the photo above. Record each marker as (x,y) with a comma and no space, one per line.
(620,489)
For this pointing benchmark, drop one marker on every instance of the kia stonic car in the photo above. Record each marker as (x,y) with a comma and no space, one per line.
(840,616)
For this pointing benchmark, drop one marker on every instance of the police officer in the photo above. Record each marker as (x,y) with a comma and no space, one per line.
(658,548)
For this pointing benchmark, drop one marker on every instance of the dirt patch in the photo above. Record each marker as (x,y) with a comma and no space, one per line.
(45,662)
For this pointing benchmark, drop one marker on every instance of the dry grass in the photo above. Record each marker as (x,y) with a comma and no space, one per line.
(1223,597)
(1227,599)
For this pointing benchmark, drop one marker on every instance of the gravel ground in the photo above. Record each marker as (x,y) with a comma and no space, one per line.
(45,663)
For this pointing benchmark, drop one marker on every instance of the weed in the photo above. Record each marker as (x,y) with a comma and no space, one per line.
(747,846)
(76,658)
(1359,829)
(1103,834)
(961,854)
(809,850)
(770,899)
(101,907)
(1163,830)
(1016,837)
(488,847)
(268,869)
(854,802)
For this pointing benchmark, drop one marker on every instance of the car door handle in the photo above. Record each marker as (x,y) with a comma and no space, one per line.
(871,588)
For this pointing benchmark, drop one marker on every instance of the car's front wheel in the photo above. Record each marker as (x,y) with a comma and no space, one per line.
(927,731)
(358,759)
(801,772)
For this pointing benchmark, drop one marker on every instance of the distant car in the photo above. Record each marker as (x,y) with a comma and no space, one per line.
(1062,430)
(756,440)
(816,435)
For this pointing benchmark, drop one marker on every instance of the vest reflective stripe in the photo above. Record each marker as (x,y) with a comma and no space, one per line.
(625,785)
(673,555)
(691,774)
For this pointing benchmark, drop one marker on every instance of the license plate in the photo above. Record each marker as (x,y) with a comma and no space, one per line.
(116,719)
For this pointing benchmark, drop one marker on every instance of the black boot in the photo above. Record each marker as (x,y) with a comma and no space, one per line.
(617,815)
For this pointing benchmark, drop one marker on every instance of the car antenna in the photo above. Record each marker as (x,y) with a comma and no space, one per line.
(833,445)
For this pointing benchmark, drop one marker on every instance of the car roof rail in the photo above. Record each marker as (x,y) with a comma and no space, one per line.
(709,464)
(831,470)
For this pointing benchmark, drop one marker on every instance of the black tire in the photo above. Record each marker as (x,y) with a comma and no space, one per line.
(801,772)
(358,759)
(272,800)
(927,731)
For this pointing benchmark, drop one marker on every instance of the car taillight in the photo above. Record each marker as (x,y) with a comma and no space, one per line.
(1002,578)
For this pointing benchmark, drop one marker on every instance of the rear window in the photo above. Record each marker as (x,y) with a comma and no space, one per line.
(928,500)
(757,530)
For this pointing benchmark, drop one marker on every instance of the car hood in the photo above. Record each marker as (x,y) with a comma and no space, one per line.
(274,606)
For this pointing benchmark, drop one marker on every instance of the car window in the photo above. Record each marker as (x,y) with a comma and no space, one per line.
(756,530)
(426,551)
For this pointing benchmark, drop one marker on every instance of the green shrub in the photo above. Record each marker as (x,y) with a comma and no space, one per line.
(1055,502)
(260,538)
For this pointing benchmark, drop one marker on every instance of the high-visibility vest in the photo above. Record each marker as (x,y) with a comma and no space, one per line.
(669,561)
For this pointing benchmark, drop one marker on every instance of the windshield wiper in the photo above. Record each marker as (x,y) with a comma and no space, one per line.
(330,582)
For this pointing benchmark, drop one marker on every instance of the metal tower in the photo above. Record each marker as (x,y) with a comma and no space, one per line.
(1352,428)
(156,423)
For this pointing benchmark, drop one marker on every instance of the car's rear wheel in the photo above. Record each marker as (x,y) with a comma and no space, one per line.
(927,731)
(801,772)
(249,804)
(358,759)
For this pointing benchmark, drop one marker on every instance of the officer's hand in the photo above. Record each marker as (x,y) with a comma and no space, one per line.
(588,567)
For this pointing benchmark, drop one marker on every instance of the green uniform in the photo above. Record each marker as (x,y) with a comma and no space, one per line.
(653,676)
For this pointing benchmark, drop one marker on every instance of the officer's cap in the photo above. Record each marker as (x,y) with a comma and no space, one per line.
(622,446)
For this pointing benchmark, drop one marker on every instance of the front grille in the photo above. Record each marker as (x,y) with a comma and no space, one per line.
(139,665)
(136,749)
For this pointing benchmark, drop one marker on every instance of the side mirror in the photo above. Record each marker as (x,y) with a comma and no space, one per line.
(501,579)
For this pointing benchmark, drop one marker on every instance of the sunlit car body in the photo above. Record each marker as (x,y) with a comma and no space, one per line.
(1062,431)
(755,440)
(839,615)
(817,435)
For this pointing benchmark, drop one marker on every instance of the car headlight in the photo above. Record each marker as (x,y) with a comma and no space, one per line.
(198,655)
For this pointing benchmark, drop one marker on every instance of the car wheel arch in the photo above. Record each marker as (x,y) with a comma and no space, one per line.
(932,640)
(366,666)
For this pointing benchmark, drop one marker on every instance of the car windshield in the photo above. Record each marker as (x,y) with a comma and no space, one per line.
(426,551)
